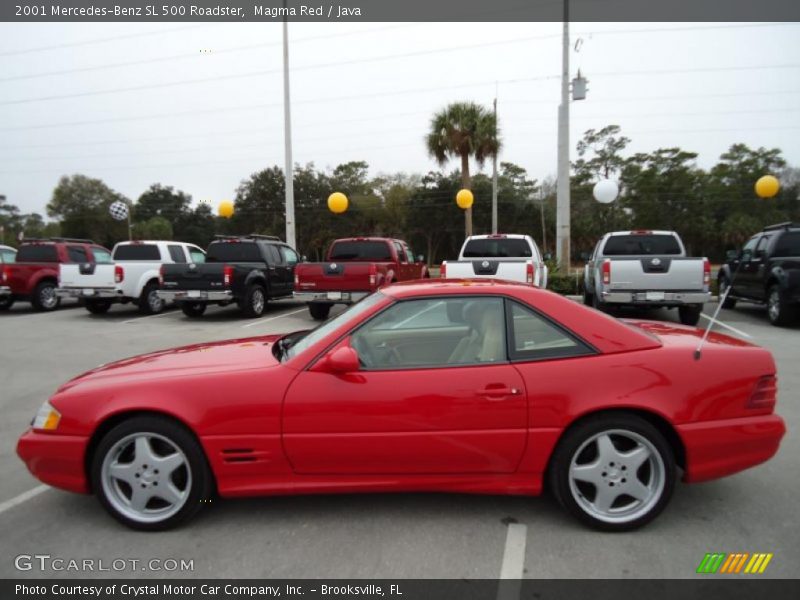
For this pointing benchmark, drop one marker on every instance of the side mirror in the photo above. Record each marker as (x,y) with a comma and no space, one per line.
(747,255)
(342,360)
(420,258)
(304,258)
(732,254)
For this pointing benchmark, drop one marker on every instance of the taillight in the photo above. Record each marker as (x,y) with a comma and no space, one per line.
(119,274)
(296,279)
(765,394)
(227,275)
(443,271)
(4,274)
(606,272)
(161,275)
(706,272)
(373,274)
(529,274)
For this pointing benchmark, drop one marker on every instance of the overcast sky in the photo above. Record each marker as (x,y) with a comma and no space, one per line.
(366,92)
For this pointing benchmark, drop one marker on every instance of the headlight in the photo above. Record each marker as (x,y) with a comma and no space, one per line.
(47,418)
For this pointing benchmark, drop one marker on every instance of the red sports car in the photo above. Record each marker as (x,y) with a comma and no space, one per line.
(448,386)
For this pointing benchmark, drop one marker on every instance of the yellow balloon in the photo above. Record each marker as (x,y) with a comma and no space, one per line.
(767,186)
(337,203)
(464,199)
(225,209)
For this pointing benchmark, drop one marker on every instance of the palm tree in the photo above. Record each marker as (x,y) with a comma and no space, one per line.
(464,130)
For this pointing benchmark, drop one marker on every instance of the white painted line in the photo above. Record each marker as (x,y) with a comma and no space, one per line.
(163,314)
(513,563)
(262,321)
(717,322)
(23,497)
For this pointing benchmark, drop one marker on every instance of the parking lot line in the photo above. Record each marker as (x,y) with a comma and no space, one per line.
(162,314)
(23,497)
(514,553)
(733,329)
(261,321)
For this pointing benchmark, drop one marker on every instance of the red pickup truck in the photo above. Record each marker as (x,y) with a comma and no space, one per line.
(34,275)
(354,268)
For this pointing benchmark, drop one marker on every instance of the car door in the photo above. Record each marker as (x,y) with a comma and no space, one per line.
(290,259)
(744,280)
(402,262)
(758,268)
(436,394)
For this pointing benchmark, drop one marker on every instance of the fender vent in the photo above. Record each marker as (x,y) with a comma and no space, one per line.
(238,455)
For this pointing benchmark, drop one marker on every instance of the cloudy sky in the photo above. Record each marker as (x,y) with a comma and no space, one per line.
(199,106)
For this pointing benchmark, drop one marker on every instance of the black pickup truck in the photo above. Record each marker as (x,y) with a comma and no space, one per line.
(248,270)
(767,271)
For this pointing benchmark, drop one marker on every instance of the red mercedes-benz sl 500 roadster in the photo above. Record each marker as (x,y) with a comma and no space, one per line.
(445,386)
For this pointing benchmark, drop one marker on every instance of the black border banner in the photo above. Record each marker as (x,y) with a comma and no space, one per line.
(153,11)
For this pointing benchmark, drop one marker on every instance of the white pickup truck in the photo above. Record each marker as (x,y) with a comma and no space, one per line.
(647,268)
(133,276)
(512,257)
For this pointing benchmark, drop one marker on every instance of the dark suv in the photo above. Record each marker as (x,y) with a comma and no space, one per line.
(767,271)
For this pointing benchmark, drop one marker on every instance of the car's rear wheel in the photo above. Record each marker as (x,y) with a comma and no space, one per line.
(614,472)
(255,300)
(723,287)
(150,473)
(6,303)
(44,296)
(588,298)
(149,301)
(98,307)
(779,309)
(690,314)
(193,309)
(319,310)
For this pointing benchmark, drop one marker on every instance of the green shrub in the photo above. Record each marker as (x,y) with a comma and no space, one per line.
(561,283)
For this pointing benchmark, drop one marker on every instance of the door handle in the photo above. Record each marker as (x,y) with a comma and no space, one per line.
(498,393)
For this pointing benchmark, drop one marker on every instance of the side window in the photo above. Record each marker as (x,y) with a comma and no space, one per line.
(761,246)
(401,253)
(77,254)
(273,256)
(532,337)
(409,253)
(101,255)
(434,332)
(196,255)
(751,244)
(289,256)
(176,253)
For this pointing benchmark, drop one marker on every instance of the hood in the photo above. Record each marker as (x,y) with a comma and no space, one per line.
(227,355)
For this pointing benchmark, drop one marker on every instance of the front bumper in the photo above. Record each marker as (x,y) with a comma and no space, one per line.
(656,298)
(4,291)
(89,293)
(56,460)
(330,297)
(719,448)
(196,295)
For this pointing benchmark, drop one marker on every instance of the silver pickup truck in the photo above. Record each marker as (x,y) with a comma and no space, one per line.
(646,268)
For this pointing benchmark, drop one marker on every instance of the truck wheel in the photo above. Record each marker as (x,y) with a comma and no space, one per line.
(44,296)
(588,298)
(690,314)
(599,304)
(98,307)
(149,302)
(193,309)
(723,286)
(6,303)
(779,310)
(319,310)
(255,300)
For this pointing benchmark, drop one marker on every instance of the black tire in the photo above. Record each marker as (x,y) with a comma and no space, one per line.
(98,307)
(44,297)
(319,310)
(6,302)
(199,485)
(578,440)
(193,309)
(780,310)
(254,301)
(588,298)
(690,314)
(599,304)
(722,284)
(149,302)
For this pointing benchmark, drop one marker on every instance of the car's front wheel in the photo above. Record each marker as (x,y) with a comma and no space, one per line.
(614,472)
(150,473)
(724,287)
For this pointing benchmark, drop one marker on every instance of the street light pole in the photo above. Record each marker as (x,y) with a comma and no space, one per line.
(494,178)
(287,139)
(562,191)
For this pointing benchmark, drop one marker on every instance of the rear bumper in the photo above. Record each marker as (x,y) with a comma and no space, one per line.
(196,295)
(97,293)
(656,298)
(331,297)
(4,291)
(56,460)
(719,448)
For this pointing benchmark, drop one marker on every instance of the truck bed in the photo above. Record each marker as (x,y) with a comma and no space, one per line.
(656,273)
(338,276)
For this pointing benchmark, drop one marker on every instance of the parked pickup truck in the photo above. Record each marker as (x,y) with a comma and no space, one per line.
(767,271)
(512,257)
(7,256)
(33,277)
(248,270)
(354,268)
(647,269)
(133,276)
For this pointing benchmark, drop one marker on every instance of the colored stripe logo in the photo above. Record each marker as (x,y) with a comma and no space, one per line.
(734,563)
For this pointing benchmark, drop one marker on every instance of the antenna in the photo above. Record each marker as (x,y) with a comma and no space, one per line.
(698,352)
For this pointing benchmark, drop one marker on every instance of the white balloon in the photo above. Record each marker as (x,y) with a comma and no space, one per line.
(605,191)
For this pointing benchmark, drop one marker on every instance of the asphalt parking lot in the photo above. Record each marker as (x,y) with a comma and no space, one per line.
(369,536)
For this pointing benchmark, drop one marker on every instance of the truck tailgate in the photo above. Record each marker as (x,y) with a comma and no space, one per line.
(656,273)
(335,276)
(88,275)
(192,276)
(510,270)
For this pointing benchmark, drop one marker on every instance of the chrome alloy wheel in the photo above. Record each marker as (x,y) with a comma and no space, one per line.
(258,301)
(774,304)
(155,303)
(617,476)
(47,297)
(146,477)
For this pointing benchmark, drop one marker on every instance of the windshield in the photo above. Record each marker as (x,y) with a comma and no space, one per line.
(638,245)
(360,251)
(351,314)
(497,248)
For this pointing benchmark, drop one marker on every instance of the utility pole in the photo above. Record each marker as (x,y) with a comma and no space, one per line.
(288,173)
(562,191)
(541,215)
(494,177)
